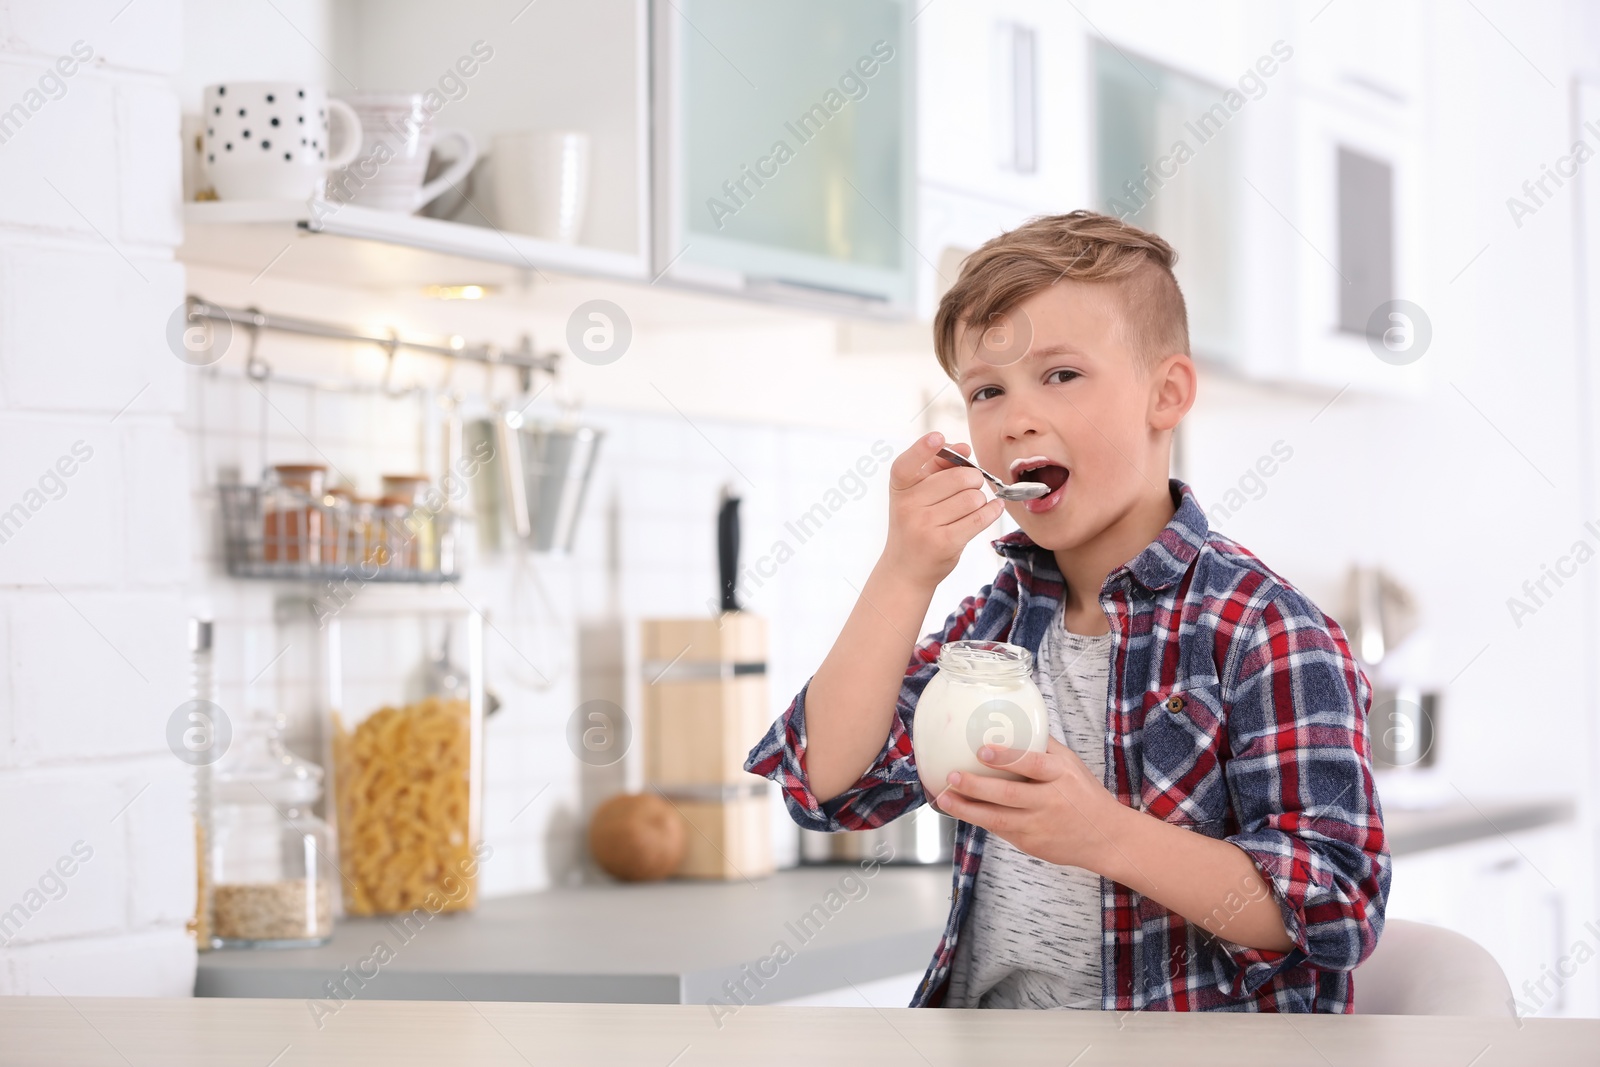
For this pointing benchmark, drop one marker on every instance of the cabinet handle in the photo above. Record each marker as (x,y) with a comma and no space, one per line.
(1015,87)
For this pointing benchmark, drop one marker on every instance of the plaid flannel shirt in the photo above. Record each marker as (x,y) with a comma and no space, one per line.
(1269,751)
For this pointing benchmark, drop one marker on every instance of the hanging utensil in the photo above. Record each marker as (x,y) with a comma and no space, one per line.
(549,468)
(441,677)
(516,482)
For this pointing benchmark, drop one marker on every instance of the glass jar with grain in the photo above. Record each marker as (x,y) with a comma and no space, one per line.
(270,858)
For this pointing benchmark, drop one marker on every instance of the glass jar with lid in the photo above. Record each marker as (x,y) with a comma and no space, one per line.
(982,694)
(413,539)
(292,514)
(271,879)
(396,515)
(339,504)
(404,735)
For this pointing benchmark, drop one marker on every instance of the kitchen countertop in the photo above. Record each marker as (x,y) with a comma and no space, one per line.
(679,942)
(1412,830)
(661,943)
(119,1032)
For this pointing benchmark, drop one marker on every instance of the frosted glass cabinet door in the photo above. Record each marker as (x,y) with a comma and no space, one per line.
(786,144)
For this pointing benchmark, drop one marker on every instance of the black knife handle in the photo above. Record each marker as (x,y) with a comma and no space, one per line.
(728,552)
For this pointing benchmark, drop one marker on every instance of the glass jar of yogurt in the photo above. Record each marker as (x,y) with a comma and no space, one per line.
(982,694)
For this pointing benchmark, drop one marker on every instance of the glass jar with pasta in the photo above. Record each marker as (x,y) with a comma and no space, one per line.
(404,752)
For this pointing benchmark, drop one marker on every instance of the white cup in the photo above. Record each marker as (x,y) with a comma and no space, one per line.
(397,137)
(271,140)
(541,183)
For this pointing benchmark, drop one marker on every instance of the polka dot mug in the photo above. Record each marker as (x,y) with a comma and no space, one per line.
(272,140)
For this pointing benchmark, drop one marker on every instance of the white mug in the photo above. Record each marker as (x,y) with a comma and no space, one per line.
(541,183)
(271,140)
(397,136)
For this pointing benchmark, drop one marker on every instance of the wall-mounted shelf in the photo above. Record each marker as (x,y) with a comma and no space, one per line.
(320,539)
(346,244)
(335,243)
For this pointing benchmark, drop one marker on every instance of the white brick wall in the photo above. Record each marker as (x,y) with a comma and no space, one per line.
(111,351)
(98,879)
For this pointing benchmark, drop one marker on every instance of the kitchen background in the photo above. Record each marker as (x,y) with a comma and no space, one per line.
(1431,153)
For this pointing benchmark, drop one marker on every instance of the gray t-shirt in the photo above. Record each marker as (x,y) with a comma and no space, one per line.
(1032,937)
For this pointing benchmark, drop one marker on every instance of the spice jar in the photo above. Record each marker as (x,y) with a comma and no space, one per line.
(398,518)
(411,487)
(363,545)
(271,883)
(339,513)
(292,514)
(412,490)
(983,694)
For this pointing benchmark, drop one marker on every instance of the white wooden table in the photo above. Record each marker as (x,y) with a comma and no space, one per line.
(87,1032)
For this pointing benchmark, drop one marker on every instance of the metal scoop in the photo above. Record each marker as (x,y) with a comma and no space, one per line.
(1014,491)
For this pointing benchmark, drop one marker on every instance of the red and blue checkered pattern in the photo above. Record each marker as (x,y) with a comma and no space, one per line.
(1269,751)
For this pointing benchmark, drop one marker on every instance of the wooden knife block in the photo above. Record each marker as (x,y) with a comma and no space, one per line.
(705,705)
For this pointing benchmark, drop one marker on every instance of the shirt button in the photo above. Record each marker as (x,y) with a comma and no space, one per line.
(1175,703)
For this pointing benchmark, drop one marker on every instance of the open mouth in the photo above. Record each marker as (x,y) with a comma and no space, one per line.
(1051,474)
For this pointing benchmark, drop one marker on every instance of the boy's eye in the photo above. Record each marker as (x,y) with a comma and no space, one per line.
(1062,376)
(988,392)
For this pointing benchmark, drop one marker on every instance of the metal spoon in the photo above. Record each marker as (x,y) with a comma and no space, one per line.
(1014,491)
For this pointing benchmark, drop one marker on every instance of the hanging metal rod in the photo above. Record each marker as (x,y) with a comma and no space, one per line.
(522,356)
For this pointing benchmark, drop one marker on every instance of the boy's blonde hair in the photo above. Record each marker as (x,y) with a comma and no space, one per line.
(1083,246)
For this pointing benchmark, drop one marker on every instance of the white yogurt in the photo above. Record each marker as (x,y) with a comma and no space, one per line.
(982,694)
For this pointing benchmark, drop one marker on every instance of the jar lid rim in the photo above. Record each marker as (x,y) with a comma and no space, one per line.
(998,657)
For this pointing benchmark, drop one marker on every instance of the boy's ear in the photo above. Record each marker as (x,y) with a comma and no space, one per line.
(1172,390)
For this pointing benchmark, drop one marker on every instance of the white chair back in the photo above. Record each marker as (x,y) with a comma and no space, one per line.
(1418,969)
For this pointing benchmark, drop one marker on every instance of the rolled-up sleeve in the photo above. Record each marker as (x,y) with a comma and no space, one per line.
(1301,785)
(889,787)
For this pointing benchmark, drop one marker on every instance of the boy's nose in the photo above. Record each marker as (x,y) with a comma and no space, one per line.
(1023,419)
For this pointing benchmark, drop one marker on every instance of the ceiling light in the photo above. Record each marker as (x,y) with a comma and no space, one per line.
(458,292)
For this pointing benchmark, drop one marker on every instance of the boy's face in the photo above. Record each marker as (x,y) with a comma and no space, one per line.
(1054,395)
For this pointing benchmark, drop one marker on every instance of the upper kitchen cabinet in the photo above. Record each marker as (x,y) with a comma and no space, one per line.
(553,98)
(1364,54)
(997,145)
(1361,293)
(1007,129)
(1360,299)
(1293,205)
(784,163)
(1165,163)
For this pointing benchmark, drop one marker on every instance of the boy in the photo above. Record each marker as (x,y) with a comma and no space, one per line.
(1202,832)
